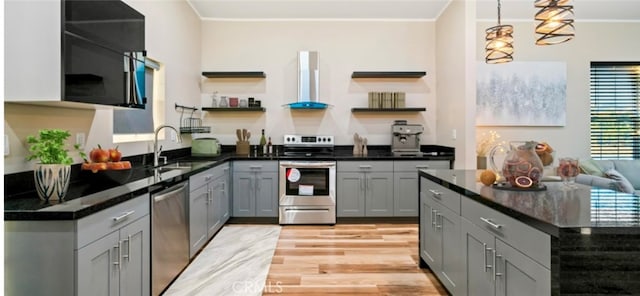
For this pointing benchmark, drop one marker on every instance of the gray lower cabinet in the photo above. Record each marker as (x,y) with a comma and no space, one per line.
(405,184)
(117,264)
(105,253)
(255,189)
(493,264)
(364,188)
(440,242)
(208,205)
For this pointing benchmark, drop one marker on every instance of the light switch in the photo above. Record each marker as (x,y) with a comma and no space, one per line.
(80,139)
(454,134)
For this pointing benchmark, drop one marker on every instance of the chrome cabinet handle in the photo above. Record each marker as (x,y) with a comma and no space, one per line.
(422,166)
(117,262)
(208,177)
(495,267)
(438,215)
(128,255)
(124,215)
(258,186)
(435,193)
(484,255)
(255,167)
(433,218)
(365,166)
(491,223)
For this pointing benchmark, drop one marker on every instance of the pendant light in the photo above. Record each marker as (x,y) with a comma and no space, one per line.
(499,43)
(556,21)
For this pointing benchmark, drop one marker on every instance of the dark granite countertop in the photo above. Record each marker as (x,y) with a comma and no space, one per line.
(551,210)
(89,193)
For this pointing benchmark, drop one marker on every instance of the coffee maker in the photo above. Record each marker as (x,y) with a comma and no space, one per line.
(405,138)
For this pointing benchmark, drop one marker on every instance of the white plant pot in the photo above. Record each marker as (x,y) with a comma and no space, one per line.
(52,181)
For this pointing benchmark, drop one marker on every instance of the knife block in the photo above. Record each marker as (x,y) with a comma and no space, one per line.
(242,148)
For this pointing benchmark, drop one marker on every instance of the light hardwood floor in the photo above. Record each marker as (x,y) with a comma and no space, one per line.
(349,259)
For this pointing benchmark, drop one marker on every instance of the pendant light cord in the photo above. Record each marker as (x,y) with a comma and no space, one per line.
(499,23)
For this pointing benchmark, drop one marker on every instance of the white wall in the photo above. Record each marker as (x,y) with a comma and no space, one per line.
(456,80)
(594,41)
(172,37)
(344,47)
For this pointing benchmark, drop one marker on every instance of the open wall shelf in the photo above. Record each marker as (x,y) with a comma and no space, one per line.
(387,74)
(250,74)
(363,110)
(234,109)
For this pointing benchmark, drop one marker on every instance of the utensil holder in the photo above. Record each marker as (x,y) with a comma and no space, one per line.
(242,148)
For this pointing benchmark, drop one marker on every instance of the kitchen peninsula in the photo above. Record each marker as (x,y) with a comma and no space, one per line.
(480,240)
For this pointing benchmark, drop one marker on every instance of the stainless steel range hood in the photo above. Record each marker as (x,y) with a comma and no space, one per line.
(308,82)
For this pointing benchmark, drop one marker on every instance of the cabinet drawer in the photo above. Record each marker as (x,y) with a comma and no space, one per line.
(200,179)
(525,238)
(255,166)
(365,166)
(411,166)
(445,196)
(95,226)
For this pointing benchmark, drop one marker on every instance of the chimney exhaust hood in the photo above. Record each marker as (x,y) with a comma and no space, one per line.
(308,82)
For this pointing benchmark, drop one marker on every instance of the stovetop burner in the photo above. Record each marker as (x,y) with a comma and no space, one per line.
(297,145)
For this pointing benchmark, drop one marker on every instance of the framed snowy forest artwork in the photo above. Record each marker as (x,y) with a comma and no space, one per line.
(521,94)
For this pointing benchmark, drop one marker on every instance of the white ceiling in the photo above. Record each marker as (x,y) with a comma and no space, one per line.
(618,10)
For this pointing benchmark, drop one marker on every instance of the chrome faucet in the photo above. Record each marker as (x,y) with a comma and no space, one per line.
(156,152)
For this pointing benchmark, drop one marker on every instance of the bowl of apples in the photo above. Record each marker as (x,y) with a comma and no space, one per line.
(107,163)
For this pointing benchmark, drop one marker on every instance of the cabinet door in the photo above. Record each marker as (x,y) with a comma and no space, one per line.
(452,272)
(225,204)
(98,267)
(213,210)
(478,247)
(135,254)
(520,275)
(379,194)
(267,194)
(350,197)
(244,202)
(432,252)
(198,202)
(405,194)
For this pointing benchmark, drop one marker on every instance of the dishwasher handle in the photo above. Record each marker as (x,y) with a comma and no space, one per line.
(167,193)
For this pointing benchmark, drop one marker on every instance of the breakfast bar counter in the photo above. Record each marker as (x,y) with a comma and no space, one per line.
(563,240)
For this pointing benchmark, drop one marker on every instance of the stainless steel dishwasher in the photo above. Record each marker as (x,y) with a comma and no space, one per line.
(169,233)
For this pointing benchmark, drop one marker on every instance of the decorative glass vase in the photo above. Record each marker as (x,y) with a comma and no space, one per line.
(52,181)
(521,167)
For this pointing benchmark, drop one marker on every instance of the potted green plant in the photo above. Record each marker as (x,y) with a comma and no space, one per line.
(53,171)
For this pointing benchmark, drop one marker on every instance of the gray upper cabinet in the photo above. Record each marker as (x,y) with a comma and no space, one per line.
(255,189)
(405,184)
(364,188)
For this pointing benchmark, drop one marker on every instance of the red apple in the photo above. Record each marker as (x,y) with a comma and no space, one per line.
(115,154)
(99,155)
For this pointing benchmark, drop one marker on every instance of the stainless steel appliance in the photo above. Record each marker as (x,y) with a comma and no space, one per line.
(307,192)
(405,138)
(169,234)
(307,186)
(296,145)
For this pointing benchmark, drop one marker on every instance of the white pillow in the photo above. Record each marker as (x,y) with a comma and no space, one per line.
(622,183)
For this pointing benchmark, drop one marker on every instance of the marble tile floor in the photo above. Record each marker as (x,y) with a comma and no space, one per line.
(235,262)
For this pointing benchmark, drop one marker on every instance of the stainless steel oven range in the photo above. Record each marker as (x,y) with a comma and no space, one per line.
(307,192)
(307,182)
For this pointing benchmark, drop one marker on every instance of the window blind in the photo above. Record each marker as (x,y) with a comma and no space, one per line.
(615,118)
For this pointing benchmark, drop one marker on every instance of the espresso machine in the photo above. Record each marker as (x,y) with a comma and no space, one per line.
(405,138)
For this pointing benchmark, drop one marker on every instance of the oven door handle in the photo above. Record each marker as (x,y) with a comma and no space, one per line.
(294,164)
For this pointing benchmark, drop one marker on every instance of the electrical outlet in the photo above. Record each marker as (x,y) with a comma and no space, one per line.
(80,139)
(174,136)
(6,145)
(454,134)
